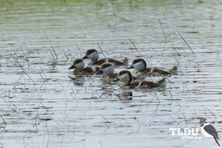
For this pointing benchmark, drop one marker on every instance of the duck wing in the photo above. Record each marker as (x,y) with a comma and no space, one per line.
(115,75)
(100,62)
(148,84)
(88,70)
(117,62)
(148,70)
(160,71)
(133,85)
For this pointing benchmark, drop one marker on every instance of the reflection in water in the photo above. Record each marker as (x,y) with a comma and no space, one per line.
(107,91)
(109,80)
(125,95)
(78,80)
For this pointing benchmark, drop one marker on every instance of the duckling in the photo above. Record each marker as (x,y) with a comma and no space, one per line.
(125,78)
(159,71)
(93,55)
(140,66)
(108,70)
(80,69)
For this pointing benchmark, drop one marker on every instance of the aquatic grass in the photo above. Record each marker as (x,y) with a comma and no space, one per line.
(105,93)
(42,74)
(4,122)
(187,44)
(192,51)
(164,35)
(106,120)
(12,106)
(23,70)
(101,50)
(174,100)
(158,100)
(137,50)
(93,88)
(66,56)
(54,56)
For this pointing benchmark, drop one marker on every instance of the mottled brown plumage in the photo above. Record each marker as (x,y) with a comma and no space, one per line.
(126,81)
(147,84)
(140,66)
(85,71)
(118,62)
(93,55)
(160,71)
(108,71)
(80,69)
(99,62)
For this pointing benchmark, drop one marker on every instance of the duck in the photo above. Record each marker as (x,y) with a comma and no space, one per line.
(107,70)
(93,55)
(80,69)
(140,66)
(125,78)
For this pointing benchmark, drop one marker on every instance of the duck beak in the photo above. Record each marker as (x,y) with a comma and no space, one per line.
(116,79)
(71,67)
(130,67)
(85,57)
(99,72)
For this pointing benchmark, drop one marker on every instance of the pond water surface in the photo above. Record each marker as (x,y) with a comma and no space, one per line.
(41,106)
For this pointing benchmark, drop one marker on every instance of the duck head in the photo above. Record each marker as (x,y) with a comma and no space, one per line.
(78,64)
(138,64)
(106,68)
(125,77)
(92,54)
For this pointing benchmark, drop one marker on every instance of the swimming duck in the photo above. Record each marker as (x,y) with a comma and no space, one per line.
(125,78)
(140,66)
(80,69)
(93,55)
(107,71)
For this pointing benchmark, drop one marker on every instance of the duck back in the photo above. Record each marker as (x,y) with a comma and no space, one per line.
(148,84)
(118,62)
